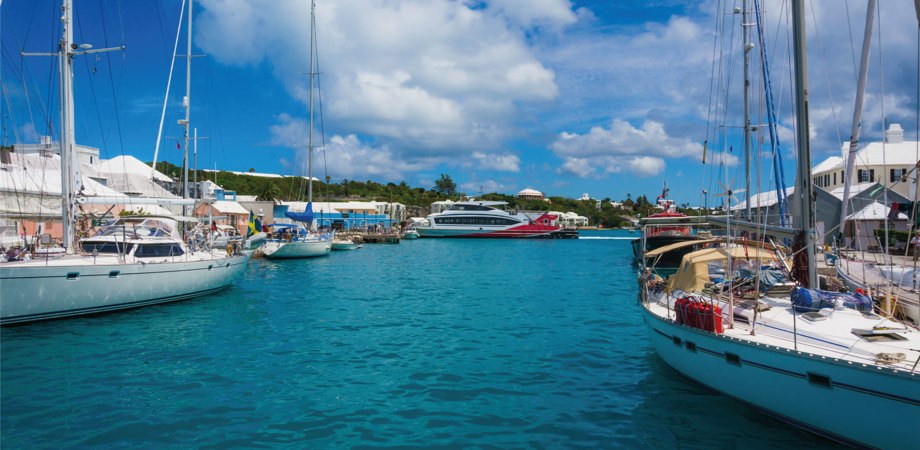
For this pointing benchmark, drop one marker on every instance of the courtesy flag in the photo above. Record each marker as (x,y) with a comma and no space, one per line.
(255,225)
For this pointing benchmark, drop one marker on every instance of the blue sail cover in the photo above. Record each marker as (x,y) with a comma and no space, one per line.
(306,216)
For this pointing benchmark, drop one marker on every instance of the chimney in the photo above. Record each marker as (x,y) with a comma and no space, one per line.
(895,134)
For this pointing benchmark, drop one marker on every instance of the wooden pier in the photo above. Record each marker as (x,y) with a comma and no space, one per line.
(370,238)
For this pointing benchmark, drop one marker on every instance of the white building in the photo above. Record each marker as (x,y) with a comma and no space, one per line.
(570,219)
(395,211)
(872,160)
(440,206)
(531,194)
(47,147)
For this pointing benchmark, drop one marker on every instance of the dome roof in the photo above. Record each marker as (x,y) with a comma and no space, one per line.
(530,191)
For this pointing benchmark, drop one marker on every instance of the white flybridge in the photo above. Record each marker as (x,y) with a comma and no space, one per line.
(131,262)
(293,241)
(731,319)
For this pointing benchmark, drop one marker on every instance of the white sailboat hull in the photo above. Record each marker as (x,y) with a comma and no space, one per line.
(296,249)
(78,285)
(860,405)
(868,276)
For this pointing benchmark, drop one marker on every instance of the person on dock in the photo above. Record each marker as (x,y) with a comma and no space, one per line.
(915,244)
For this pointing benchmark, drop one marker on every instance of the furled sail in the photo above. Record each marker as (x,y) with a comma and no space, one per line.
(306,216)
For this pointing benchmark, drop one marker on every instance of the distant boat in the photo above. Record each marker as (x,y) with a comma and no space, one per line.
(344,244)
(292,241)
(482,219)
(410,234)
(662,229)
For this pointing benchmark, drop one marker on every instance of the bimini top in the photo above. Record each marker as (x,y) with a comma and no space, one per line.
(693,273)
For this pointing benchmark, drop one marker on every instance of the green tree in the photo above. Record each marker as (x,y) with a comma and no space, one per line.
(269,192)
(445,185)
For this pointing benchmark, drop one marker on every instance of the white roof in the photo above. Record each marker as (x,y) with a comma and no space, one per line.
(330,207)
(834,162)
(763,199)
(874,211)
(529,191)
(128,164)
(872,154)
(36,174)
(855,190)
(229,207)
(246,198)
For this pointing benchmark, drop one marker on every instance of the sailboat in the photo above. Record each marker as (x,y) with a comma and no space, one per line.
(130,262)
(294,241)
(731,319)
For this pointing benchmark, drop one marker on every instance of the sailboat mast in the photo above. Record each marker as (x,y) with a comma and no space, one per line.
(857,113)
(68,176)
(748,45)
(803,189)
(310,142)
(186,103)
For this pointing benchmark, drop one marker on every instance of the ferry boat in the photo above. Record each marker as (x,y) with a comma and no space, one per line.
(483,219)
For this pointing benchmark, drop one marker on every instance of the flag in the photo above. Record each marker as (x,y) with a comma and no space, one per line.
(178,147)
(213,226)
(255,225)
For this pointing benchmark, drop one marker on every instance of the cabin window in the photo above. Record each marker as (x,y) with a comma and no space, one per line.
(676,340)
(733,359)
(151,250)
(106,247)
(691,346)
(819,380)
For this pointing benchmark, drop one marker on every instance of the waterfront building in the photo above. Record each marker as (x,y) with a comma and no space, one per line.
(531,194)
(440,206)
(895,154)
(570,219)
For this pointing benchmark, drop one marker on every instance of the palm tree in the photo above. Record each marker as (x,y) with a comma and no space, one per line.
(269,192)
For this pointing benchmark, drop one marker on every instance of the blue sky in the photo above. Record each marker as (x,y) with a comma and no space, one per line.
(607,98)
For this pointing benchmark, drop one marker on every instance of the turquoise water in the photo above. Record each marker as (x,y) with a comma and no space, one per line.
(429,343)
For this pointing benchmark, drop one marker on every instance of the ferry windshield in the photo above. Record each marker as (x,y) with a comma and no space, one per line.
(468,207)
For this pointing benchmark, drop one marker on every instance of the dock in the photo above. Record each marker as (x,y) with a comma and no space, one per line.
(371,238)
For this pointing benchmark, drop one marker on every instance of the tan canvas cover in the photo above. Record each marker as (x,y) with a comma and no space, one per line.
(693,273)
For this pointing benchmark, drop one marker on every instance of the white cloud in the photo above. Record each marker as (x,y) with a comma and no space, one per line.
(346,156)
(579,167)
(505,162)
(639,150)
(430,77)
(473,187)
(646,166)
